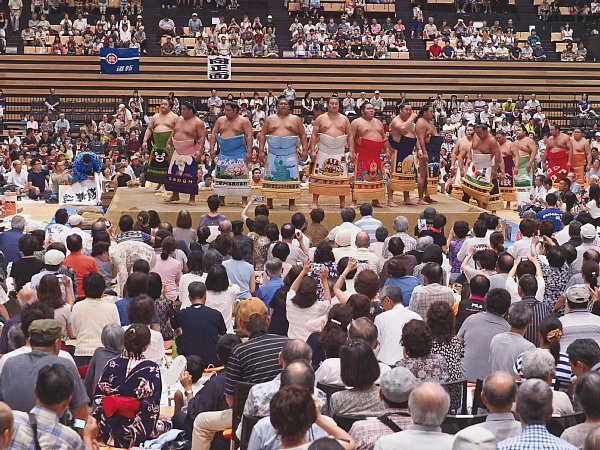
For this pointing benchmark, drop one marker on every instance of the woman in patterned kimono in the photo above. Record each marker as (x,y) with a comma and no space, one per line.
(127,397)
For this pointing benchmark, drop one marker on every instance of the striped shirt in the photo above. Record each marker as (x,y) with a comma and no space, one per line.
(255,361)
(540,312)
(133,235)
(562,372)
(369,225)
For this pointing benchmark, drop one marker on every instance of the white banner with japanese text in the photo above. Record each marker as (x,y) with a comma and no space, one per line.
(219,68)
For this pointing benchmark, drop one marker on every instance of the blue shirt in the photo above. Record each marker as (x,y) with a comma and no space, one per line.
(267,290)
(406,283)
(122,306)
(553,214)
(535,437)
(9,245)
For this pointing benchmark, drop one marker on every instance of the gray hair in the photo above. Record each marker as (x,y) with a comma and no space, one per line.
(534,401)
(18,222)
(298,373)
(428,404)
(587,390)
(401,224)
(424,242)
(112,338)
(296,350)
(499,389)
(520,315)
(273,266)
(210,258)
(538,363)
(363,328)
(391,291)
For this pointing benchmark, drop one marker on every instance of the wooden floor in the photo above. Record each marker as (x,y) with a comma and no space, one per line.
(130,201)
(78,75)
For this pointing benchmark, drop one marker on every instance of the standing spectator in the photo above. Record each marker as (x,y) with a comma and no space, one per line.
(268,289)
(477,332)
(479,286)
(400,225)
(169,268)
(220,294)
(506,347)
(432,290)
(390,323)
(15,7)
(440,320)
(199,323)
(578,322)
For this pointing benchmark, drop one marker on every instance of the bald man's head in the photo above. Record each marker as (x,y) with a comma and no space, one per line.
(6,424)
(499,391)
(225,226)
(428,404)
(26,296)
(294,350)
(298,373)
(362,240)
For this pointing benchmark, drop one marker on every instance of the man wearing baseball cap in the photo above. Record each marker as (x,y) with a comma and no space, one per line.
(20,372)
(394,388)
(588,235)
(578,322)
(254,361)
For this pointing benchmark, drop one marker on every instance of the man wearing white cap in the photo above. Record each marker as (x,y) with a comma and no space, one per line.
(588,242)
(395,387)
(53,260)
(473,438)
(195,24)
(76,221)
(578,322)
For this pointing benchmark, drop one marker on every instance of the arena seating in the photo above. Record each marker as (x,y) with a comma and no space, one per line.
(80,76)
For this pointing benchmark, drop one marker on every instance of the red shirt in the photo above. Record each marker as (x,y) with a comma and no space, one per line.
(435,50)
(82,265)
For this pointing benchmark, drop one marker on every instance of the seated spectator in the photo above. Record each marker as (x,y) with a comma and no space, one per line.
(89,318)
(20,372)
(498,396)
(586,391)
(168,48)
(538,363)
(167,26)
(538,52)
(584,356)
(54,387)
(395,388)
(428,404)
(112,347)
(534,407)
(418,342)
(118,380)
(364,397)
(180,47)
(448,51)
(293,412)
(142,309)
